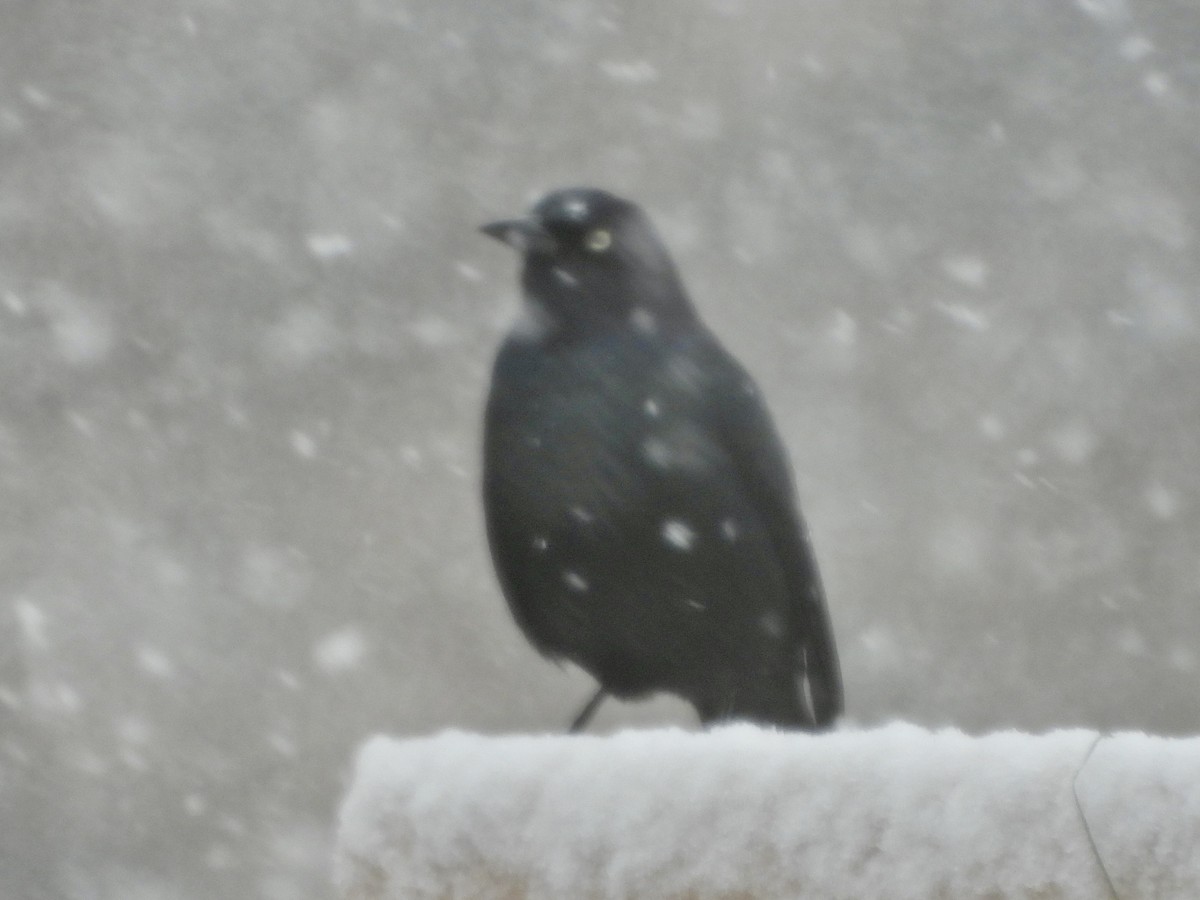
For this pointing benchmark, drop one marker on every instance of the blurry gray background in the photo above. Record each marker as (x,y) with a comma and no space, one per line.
(246,324)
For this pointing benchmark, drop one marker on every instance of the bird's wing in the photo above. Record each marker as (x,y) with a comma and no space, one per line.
(741,423)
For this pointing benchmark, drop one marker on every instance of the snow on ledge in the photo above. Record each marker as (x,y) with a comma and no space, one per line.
(895,812)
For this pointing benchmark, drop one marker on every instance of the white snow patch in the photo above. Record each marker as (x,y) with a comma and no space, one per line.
(884,649)
(651,408)
(327,246)
(135,179)
(840,341)
(967,269)
(55,698)
(14,303)
(991,426)
(772,624)
(894,812)
(574,581)
(963,315)
(576,208)
(1111,13)
(434,331)
(565,277)
(1156,83)
(689,376)
(82,328)
(678,534)
(340,651)
(32,622)
(154,662)
(236,415)
(629,72)
(81,423)
(844,329)
(1131,642)
(283,745)
(304,444)
(657,452)
(643,321)
(12,123)
(1136,47)
(36,97)
(1182,659)
(468,272)
(534,323)
(1163,501)
(1165,308)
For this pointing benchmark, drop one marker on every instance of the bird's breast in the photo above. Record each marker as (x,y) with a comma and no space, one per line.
(590,432)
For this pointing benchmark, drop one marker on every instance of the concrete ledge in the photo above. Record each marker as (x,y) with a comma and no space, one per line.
(895,812)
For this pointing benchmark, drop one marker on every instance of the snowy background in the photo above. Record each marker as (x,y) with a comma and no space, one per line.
(246,323)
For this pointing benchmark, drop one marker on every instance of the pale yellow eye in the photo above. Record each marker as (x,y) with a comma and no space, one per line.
(598,240)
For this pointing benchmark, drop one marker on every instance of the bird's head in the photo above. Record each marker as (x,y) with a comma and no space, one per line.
(593,261)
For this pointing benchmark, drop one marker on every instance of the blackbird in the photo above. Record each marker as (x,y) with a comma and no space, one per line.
(639,504)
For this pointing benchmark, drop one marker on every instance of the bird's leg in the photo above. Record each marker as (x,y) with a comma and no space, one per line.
(589,710)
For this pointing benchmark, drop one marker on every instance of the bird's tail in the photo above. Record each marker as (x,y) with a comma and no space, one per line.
(823,672)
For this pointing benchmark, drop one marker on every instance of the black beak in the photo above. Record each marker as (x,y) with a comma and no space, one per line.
(523,235)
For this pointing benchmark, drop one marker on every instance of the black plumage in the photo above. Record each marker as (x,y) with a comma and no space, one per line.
(639,504)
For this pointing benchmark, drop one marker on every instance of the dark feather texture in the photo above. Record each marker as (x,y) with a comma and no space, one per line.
(639,503)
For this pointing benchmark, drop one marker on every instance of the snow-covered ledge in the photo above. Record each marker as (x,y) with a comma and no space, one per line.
(894,812)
